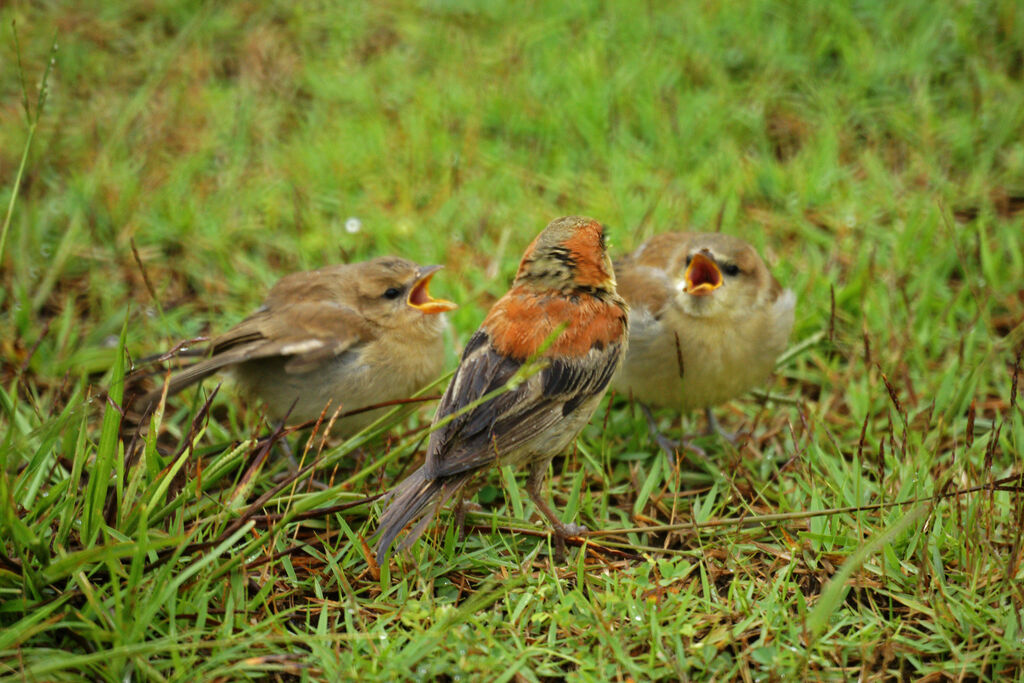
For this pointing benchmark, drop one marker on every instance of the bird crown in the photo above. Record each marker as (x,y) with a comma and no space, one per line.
(569,254)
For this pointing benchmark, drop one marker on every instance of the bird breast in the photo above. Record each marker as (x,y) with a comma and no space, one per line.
(686,362)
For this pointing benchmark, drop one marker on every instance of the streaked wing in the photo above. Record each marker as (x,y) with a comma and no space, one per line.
(310,333)
(512,419)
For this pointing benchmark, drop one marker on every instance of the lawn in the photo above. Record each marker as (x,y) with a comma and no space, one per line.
(162,164)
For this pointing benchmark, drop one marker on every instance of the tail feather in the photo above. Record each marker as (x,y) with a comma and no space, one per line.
(180,380)
(409,500)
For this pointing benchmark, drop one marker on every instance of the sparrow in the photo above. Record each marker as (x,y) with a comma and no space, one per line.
(340,337)
(563,311)
(707,321)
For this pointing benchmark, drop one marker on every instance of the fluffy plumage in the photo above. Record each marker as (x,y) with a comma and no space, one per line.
(707,320)
(565,285)
(348,335)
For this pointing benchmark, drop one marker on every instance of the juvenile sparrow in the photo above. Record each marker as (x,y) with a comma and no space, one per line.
(565,288)
(706,322)
(344,336)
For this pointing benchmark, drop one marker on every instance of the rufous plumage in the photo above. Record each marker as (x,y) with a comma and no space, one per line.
(563,295)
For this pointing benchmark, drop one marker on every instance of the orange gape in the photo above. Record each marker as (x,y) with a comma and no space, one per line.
(565,284)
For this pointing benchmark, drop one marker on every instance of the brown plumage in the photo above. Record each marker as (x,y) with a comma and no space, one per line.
(565,279)
(345,336)
(707,320)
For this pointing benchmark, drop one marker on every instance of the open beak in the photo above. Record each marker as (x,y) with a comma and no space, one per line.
(702,276)
(419,297)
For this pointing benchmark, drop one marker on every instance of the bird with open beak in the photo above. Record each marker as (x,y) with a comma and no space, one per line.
(707,322)
(342,338)
(563,312)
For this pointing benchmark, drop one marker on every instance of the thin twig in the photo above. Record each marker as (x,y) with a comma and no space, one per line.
(1010,483)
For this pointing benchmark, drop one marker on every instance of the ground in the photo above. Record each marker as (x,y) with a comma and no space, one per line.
(163,163)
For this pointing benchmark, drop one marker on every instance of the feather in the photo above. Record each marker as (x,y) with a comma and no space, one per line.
(410,500)
(562,312)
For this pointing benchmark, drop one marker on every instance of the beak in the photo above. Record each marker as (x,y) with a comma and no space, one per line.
(419,297)
(702,276)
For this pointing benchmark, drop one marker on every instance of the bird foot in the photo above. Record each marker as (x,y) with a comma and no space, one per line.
(461,508)
(293,467)
(688,444)
(562,532)
(670,446)
(713,427)
(567,530)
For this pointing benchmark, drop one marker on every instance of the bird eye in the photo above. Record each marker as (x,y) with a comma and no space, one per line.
(731,269)
(392,293)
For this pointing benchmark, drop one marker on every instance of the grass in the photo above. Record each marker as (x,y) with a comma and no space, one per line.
(189,154)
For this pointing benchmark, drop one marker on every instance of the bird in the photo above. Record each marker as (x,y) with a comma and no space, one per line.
(562,312)
(342,337)
(707,322)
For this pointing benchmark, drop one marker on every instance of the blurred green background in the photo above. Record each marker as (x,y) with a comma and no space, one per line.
(232,142)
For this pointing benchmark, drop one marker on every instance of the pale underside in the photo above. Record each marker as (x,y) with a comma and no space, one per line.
(689,362)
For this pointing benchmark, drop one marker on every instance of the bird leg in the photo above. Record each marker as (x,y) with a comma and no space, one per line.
(669,446)
(460,516)
(286,448)
(462,506)
(562,530)
(715,428)
(293,463)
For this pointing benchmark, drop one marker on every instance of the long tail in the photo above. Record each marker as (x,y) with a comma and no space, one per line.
(409,500)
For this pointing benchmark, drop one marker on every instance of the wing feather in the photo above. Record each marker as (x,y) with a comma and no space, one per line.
(509,421)
(308,333)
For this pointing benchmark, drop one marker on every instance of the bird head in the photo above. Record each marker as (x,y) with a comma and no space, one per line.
(722,274)
(569,255)
(394,291)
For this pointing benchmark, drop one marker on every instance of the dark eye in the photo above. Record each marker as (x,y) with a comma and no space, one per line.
(392,293)
(688,259)
(731,269)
